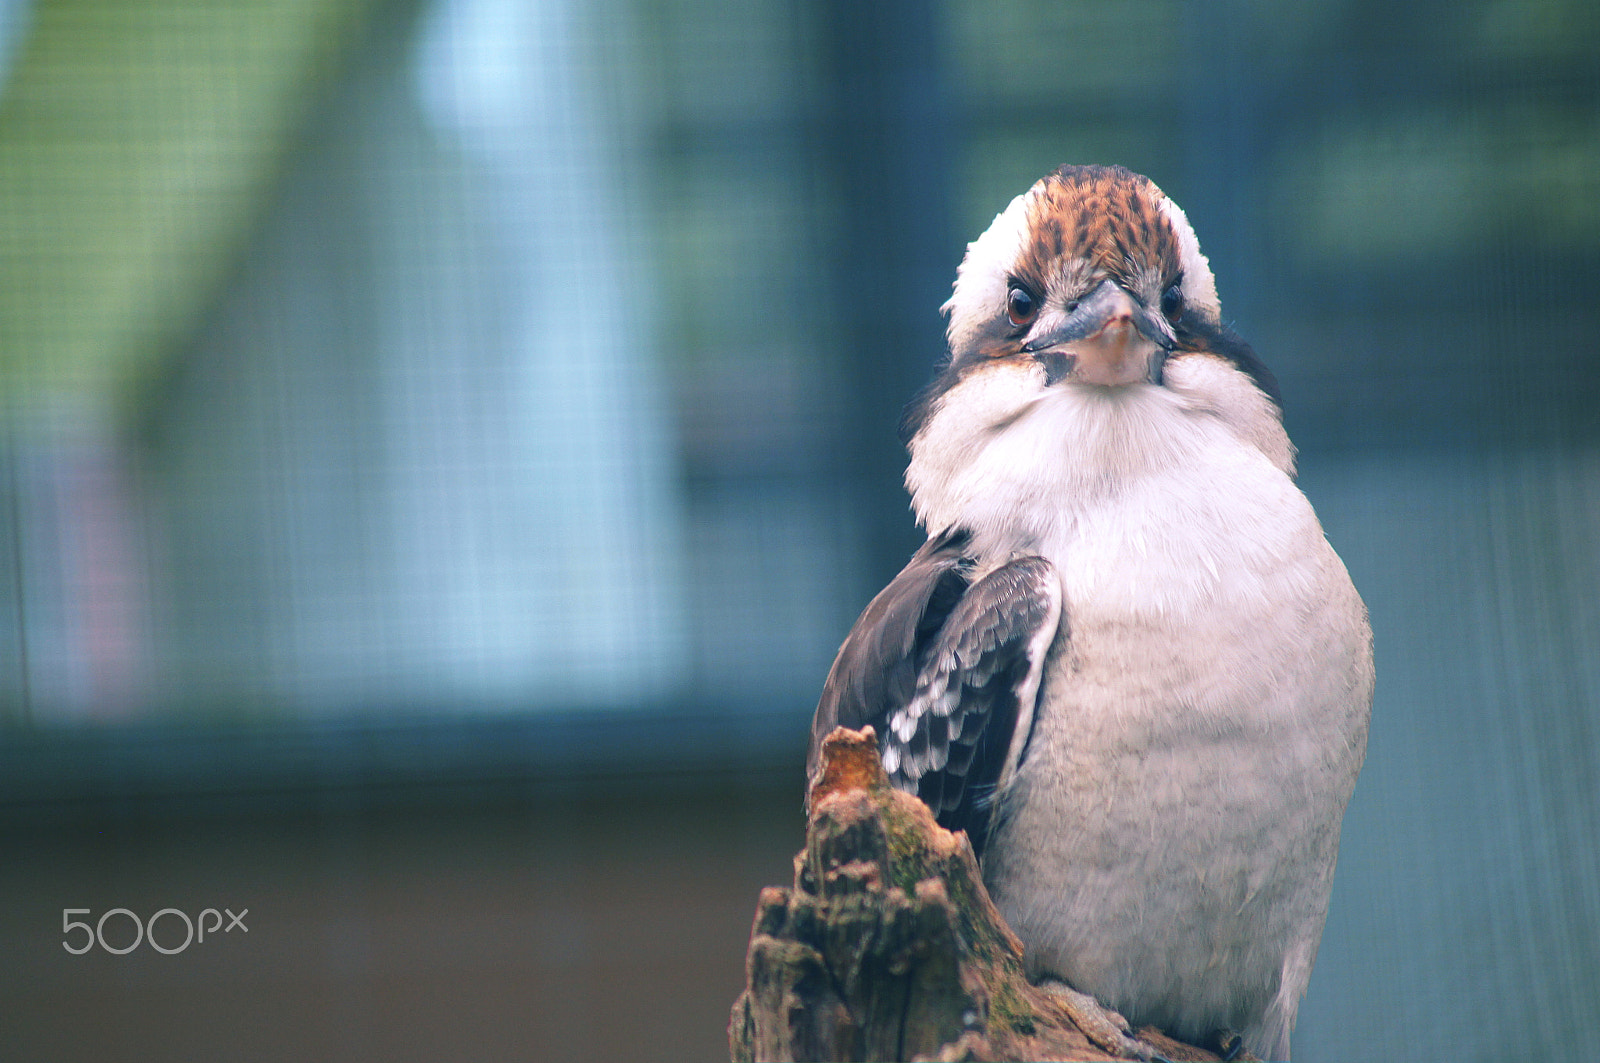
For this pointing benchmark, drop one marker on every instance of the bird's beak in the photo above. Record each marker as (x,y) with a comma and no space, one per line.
(1108,338)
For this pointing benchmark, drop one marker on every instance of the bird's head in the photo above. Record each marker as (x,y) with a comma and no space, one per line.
(1092,271)
(1086,296)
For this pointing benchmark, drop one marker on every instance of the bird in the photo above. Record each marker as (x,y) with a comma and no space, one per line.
(1126,661)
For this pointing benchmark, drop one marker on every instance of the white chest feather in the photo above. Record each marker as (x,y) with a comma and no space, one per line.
(1203,714)
(1022,466)
(1177,538)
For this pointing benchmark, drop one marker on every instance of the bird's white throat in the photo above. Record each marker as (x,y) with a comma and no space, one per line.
(1016,463)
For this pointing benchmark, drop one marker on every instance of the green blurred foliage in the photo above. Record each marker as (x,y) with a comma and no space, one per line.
(137,142)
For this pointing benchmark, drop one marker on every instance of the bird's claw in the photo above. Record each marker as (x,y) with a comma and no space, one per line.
(1230,1046)
(1101,1025)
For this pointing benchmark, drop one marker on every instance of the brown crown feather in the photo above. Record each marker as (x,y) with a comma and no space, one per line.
(1103,215)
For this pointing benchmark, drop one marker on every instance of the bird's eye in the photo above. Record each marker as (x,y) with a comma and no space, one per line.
(1021,306)
(1172,303)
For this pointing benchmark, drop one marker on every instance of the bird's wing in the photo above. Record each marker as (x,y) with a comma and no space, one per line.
(876,669)
(947,671)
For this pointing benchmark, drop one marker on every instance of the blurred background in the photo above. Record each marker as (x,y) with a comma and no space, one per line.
(442,443)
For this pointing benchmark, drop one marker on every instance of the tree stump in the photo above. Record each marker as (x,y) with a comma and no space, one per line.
(888,947)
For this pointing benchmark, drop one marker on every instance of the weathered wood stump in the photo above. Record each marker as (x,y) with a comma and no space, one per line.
(888,947)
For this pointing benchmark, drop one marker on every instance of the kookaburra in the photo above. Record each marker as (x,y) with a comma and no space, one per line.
(1126,662)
